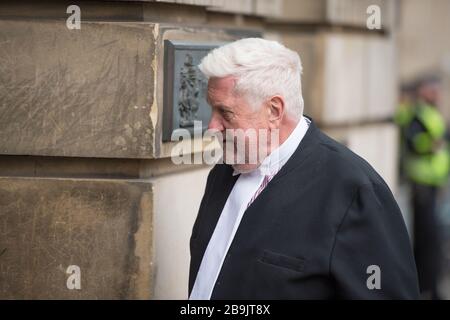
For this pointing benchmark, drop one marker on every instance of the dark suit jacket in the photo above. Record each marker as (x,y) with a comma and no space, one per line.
(313,231)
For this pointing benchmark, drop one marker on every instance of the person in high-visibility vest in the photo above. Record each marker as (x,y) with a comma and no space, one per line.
(426,164)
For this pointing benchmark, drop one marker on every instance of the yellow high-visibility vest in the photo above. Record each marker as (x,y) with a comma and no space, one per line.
(427,165)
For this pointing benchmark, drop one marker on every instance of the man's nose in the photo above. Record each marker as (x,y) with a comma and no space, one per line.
(215,123)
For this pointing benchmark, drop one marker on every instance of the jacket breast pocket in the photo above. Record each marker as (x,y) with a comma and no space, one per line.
(282,261)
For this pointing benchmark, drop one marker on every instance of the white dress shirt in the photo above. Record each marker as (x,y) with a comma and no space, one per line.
(234,209)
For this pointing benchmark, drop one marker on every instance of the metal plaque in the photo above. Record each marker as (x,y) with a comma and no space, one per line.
(184,86)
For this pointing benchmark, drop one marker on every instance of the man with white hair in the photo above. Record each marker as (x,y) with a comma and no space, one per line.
(307,220)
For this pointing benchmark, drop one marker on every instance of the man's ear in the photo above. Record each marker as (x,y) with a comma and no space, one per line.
(276,109)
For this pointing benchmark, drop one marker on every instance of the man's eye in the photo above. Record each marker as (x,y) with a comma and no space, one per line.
(226,114)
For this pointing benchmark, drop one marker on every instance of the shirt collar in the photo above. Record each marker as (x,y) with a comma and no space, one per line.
(278,157)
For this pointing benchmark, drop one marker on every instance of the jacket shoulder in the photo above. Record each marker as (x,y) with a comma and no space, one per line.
(346,166)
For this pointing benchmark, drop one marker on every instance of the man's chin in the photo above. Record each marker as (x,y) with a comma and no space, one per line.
(239,167)
(244,168)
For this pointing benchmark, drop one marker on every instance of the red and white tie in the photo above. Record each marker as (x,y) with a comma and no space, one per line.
(264,184)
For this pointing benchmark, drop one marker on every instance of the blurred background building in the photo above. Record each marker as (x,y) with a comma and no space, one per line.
(85,176)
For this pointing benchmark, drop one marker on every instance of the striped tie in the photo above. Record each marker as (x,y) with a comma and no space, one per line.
(264,183)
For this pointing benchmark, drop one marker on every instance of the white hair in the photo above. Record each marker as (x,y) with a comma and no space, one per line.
(263,68)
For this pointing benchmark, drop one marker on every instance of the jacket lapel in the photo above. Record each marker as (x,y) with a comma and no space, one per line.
(301,153)
(209,214)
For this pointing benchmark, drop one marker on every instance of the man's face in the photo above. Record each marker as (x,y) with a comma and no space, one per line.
(230,111)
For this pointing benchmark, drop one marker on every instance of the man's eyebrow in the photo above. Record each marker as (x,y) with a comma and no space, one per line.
(222,107)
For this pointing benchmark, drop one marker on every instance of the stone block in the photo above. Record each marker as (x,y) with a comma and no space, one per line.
(347,78)
(84,92)
(102,226)
(352,13)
